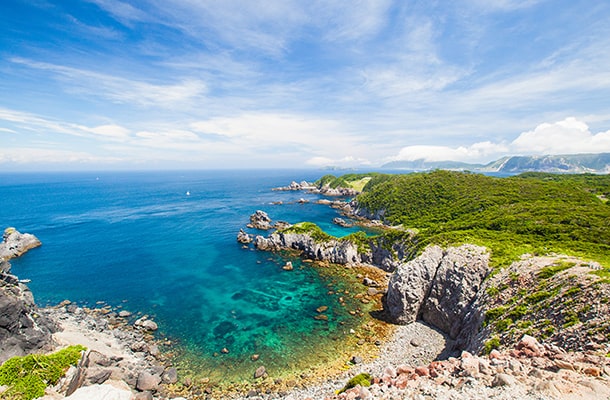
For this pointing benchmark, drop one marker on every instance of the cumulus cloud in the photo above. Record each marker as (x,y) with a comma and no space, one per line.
(472,153)
(345,162)
(569,136)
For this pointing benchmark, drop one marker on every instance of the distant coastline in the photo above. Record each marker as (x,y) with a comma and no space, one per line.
(568,163)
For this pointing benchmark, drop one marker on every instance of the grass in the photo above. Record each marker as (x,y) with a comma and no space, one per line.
(551,270)
(27,377)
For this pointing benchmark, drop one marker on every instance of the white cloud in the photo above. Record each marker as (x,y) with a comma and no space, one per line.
(502,5)
(121,11)
(33,155)
(345,162)
(122,90)
(473,153)
(569,136)
(273,128)
(110,131)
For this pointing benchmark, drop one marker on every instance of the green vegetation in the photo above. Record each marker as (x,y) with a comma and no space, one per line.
(363,379)
(491,344)
(353,181)
(311,229)
(551,270)
(529,213)
(27,377)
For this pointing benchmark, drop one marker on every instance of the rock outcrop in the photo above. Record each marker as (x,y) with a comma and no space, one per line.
(22,329)
(260,220)
(377,251)
(439,287)
(14,243)
(243,237)
(335,251)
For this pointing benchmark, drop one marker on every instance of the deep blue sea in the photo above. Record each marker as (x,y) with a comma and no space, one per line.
(136,240)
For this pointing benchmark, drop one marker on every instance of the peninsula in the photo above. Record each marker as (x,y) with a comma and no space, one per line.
(513,270)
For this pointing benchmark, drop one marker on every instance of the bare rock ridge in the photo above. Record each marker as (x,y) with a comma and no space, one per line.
(377,252)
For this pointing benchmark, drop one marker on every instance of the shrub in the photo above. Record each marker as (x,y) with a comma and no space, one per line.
(363,379)
(491,344)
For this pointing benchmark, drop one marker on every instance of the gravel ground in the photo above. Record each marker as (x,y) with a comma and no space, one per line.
(413,344)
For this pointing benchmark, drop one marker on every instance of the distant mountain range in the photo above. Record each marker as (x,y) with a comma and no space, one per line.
(569,163)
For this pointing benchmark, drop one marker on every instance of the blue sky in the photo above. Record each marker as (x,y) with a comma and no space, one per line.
(149,84)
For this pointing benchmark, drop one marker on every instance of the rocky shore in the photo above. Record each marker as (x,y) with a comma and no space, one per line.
(122,360)
(543,322)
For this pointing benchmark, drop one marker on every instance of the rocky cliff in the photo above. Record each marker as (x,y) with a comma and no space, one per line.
(439,287)
(22,328)
(378,251)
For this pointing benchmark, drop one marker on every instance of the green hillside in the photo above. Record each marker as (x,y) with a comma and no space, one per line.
(530,213)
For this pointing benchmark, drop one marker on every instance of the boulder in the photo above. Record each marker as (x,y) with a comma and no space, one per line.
(146,324)
(342,222)
(170,375)
(22,329)
(243,237)
(260,372)
(438,287)
(101,392)
(148,381)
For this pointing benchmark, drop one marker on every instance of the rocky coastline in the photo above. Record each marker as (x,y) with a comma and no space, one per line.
(122,360)
(454,291)
(449,308)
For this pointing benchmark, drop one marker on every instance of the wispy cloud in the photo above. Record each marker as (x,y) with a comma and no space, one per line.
(122,90)
(122,11)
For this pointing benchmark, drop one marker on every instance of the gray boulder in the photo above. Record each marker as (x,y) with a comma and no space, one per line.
(148,381)
(22,329)
(243,237)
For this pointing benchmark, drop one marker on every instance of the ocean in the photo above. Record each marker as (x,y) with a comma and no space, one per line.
(164,244)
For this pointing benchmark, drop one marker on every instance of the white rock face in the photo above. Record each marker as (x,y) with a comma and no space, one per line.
(101,392)
(14,243)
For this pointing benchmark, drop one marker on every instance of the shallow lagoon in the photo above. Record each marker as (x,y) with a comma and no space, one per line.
(137,241)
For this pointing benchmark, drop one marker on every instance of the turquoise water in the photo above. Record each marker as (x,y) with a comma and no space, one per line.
(137,241)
